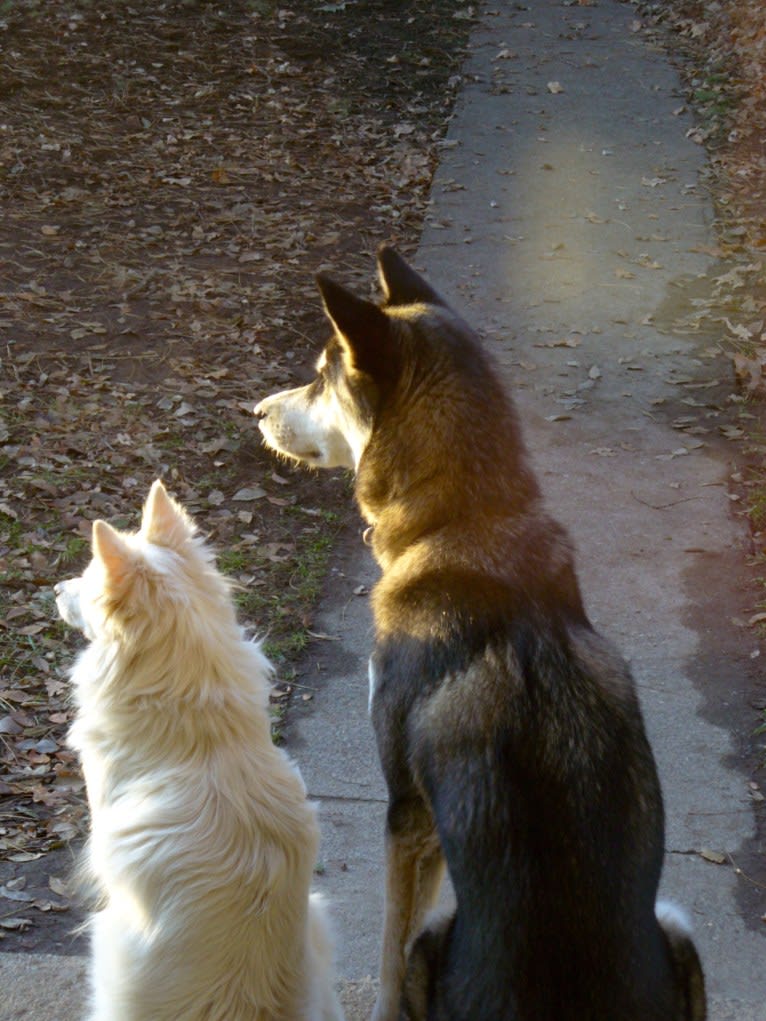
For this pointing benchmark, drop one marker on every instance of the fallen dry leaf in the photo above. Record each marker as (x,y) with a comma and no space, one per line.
(248,493)
(716,857)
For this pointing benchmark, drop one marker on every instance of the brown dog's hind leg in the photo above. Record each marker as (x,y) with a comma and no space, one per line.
(414,871)
(419,996)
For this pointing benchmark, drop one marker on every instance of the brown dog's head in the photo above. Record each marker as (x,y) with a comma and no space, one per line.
(405,395)
(328,423)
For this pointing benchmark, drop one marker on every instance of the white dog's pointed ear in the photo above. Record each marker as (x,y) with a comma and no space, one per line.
(164,522)
(401,284)
(361,326)
(110,548)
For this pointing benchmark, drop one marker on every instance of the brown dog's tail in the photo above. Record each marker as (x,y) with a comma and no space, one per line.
(690,980)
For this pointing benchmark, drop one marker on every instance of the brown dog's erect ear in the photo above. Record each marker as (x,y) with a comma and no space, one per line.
(401,284)
(361,326)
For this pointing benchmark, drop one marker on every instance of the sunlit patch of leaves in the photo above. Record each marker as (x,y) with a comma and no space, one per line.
(724,45)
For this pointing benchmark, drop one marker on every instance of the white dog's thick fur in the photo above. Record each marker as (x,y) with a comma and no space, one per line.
(202,842)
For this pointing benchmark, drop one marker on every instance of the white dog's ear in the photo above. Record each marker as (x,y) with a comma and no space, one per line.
(112,551)
(401,284)
(165,522)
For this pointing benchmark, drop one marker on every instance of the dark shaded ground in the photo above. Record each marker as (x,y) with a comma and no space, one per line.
(171,177)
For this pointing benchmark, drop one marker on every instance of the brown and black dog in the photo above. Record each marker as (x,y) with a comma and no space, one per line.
(509,731)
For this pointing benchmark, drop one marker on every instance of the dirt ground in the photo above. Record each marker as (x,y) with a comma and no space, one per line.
(172,176)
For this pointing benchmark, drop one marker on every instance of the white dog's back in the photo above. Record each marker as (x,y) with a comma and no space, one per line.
(202,841)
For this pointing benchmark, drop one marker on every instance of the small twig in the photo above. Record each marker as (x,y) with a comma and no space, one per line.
(300,333)
(322,637)
(663,506)
(295,684)
(347,797)
(738,871)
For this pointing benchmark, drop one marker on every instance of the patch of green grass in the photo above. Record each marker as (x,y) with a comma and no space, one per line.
(233,561)
(760,731)
(286,591)
(266,8)
(73,549)
(10,530)
(52,476)
(170,441)
(713,98)
(290,644)
(310,567)
(756,504)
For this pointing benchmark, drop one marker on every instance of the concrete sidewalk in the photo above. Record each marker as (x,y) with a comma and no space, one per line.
(565,216)
(40,987)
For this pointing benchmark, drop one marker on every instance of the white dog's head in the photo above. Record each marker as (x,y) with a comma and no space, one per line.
(133,575)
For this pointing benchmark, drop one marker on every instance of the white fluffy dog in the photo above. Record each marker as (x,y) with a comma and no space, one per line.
(202,842)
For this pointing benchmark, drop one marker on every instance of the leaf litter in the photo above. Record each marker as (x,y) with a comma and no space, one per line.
(724,43)
(172,175)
